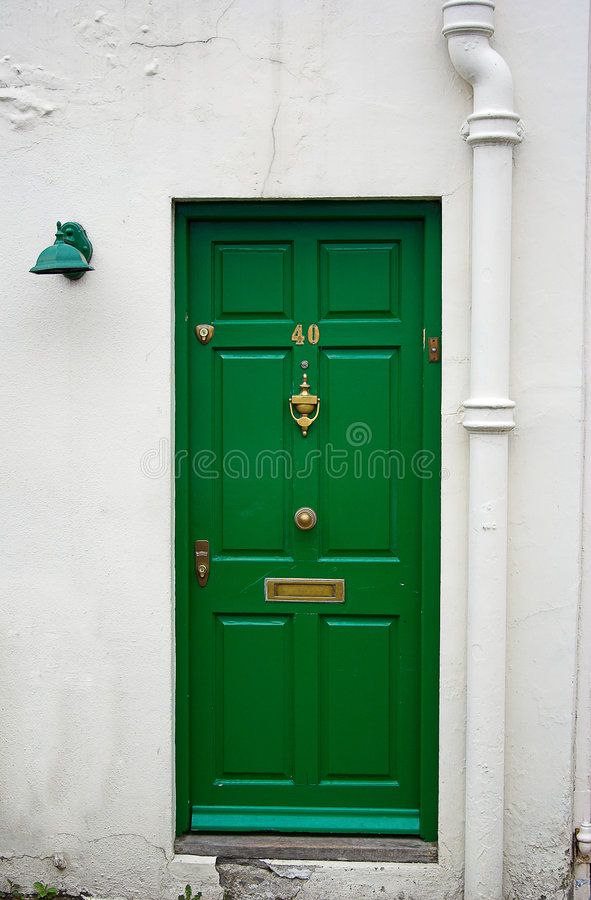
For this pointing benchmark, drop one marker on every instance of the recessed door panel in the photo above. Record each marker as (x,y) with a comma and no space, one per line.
(358,703)
(252,508)
(360,433)
(360,280)
(253,279)
(254,698)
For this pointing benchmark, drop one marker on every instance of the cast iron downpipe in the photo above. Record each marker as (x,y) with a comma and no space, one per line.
(491,131)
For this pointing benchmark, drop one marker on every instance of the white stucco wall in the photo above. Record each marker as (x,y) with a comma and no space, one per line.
(109,112)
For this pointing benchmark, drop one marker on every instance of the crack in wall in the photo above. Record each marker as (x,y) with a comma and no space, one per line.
(274,150)
(220,37)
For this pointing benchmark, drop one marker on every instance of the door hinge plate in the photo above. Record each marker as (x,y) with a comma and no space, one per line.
(433,347)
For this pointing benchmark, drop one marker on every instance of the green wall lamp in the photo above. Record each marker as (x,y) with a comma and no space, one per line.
(70,255)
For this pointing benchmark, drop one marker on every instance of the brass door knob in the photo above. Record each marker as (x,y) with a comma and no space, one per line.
(305,518)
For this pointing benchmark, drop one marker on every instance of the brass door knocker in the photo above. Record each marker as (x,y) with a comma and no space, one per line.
(304,403)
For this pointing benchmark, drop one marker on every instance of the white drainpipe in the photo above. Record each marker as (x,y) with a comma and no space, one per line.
(491,130)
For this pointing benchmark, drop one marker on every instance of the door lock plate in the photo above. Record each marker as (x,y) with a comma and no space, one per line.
(204,333)
(202,562)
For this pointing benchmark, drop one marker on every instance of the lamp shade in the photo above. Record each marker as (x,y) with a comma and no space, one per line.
(63,257)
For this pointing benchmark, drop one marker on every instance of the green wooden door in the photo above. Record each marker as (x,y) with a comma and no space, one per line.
(315,715)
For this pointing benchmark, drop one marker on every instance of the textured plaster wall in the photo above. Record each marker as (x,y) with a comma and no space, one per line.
(107,112)
(582,793)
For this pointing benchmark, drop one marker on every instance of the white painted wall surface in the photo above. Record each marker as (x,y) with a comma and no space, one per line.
(110,111)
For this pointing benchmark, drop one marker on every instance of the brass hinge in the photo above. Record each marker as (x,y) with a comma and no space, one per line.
(433,346)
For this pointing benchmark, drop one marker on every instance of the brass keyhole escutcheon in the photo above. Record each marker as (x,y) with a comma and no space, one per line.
(204,333)
(202,562)
(305,518)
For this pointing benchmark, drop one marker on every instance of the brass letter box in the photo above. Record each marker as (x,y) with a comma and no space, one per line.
(305,590)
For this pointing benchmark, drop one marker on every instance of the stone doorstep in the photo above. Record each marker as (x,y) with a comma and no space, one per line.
(349,848)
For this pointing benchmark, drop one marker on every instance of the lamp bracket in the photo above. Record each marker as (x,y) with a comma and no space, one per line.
(75,235)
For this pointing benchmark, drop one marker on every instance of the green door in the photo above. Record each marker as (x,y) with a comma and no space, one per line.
(308,705)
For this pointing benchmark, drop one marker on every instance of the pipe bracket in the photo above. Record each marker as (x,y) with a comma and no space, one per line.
(489,416)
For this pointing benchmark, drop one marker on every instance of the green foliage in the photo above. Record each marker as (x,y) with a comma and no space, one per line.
(44,891)
(189,895)
(14,890)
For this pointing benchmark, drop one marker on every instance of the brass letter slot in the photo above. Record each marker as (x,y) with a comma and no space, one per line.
(305,590)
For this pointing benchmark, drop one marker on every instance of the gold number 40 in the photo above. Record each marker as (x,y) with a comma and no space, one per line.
(298,334)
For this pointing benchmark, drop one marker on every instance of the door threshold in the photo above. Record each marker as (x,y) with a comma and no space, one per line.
(350,848)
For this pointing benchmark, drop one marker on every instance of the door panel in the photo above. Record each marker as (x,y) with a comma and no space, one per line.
(306,716)
(253,279)
(252,521)
(360,280)
(357,652)
(254,658)
(360,427)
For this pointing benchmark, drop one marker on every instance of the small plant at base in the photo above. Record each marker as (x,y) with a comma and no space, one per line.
(14,890)
(189,895)
(44,891)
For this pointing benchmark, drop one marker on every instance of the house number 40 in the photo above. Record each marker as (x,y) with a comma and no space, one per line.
(313,334)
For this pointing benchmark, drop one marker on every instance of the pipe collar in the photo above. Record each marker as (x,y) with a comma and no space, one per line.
(474,16)
(489,416)
(494,128)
